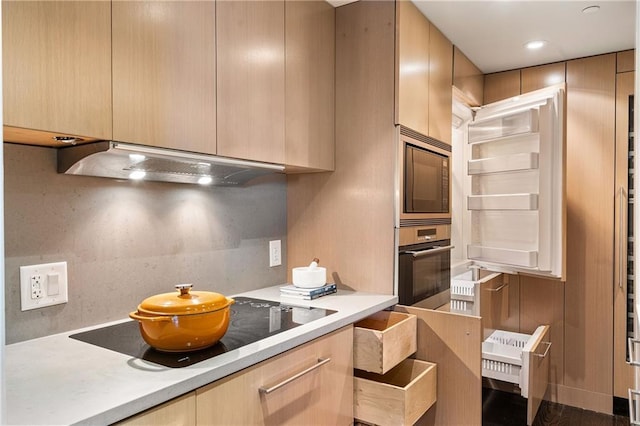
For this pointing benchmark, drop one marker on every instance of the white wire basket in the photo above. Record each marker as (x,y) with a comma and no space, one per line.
(502,356)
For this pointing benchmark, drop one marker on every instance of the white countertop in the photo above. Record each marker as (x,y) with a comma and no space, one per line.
(58,380)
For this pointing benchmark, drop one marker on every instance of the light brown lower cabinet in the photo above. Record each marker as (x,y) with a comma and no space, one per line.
(455,343)
(389,388)
(400,397)
(309,385)
(180,411)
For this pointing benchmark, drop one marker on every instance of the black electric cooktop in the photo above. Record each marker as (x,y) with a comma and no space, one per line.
(251,320)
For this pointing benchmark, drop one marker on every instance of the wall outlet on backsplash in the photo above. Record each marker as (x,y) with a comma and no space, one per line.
(275,253)
(43,285)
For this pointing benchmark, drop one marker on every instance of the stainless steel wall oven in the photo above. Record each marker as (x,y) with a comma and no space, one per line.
(424,266)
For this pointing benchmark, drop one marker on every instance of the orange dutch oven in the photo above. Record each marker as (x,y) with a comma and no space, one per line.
(184,321)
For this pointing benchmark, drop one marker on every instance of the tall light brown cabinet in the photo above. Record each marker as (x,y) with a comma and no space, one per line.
(588,291)
(581,311)
(346,218)
(624,207)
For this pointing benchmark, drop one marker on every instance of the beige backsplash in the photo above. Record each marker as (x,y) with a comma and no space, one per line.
(125,241)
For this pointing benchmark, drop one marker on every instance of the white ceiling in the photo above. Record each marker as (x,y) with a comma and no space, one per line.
(492,33)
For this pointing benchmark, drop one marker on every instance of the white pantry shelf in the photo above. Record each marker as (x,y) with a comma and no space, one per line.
(522,258)
(504,163)
(503,126)
(503,202)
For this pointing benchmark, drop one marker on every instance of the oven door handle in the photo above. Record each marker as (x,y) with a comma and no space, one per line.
(429,251)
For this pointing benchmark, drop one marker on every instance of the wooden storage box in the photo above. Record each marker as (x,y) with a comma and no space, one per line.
(399,397)
(382,340)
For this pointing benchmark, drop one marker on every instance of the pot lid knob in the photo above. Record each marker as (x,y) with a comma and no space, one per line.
(184,288)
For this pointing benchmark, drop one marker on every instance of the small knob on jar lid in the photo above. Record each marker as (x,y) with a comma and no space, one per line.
(184,288)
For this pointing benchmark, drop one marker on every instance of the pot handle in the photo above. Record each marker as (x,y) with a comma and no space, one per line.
(184,289)
(135,316)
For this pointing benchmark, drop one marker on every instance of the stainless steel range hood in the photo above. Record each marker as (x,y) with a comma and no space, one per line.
(129,161)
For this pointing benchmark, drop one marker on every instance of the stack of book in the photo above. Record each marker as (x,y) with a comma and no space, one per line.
(307,293)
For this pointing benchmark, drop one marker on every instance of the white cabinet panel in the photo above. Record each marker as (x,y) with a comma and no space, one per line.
(516,199)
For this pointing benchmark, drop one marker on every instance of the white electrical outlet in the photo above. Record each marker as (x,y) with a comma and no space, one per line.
(275,253)
(36,286)
(43,285)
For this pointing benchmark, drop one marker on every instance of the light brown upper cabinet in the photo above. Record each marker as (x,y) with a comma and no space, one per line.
(251,80)
(57,66)
(542,76)
(626,61)
(309,85)
(501,85)
(412,67)
(164,71)
(424,61)
(440,82)
(468,80)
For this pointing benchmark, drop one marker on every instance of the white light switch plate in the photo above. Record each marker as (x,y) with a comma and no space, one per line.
(43,285)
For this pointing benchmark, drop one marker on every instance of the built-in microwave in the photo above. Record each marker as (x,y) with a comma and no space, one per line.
(424,179)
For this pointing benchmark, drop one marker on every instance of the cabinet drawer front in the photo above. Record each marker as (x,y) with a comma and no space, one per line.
(291,388)
(536,361)
(383,340)
(399,397)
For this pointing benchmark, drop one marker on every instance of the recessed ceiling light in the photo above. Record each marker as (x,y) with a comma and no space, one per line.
(535,44)
(591,9)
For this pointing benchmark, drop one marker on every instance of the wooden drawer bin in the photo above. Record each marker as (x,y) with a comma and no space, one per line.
(382,340)
(399,397)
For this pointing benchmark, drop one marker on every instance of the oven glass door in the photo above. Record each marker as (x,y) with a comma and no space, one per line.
(424,274)
(426,181)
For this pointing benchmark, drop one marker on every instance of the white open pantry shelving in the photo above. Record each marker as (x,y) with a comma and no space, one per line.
(515,187)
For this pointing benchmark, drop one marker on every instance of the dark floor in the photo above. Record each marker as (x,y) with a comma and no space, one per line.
(507,409)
